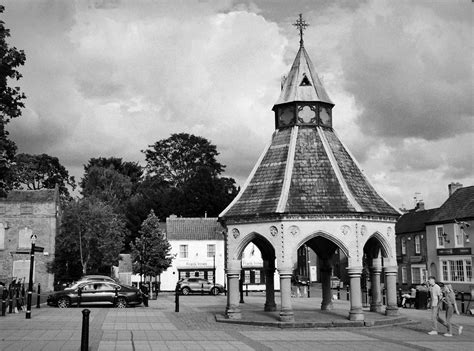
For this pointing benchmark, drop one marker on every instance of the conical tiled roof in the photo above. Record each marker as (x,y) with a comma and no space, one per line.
(302,71)
(306,170)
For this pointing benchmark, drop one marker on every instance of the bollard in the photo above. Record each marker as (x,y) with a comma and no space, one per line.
(400,297)
(176,300)
(241,288)
(462,302)
(38,296)
(4,306)
(347,292)
(309,294)
(246,290)
(383,296)
(85,330)
(79,297)
(17,301)
(202,289)
(10,301)
(338,292)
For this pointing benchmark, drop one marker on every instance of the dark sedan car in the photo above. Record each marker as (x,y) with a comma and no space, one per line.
(96,292)
(196,285)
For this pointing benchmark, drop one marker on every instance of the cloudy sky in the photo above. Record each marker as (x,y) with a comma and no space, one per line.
(110,77)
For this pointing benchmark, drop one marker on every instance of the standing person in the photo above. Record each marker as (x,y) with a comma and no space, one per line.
(144,290)
(435,298)
(449,299)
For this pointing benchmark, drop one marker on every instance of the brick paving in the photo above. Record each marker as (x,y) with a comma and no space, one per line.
(158,327)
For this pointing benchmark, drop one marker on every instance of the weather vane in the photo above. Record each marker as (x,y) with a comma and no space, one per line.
(301,25)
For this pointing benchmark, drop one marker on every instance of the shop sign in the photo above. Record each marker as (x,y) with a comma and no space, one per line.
(454,251)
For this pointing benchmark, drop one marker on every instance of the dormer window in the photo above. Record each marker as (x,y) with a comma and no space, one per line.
(305,81)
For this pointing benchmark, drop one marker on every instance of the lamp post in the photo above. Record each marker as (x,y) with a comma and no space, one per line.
(30,283)
(214,269)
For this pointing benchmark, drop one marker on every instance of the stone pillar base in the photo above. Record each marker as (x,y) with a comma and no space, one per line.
(356,316)
(287,316)
(269,307)
(233,314)
(326,306)
(391,311)
(376,308)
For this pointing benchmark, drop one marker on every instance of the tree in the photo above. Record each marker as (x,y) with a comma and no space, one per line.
(34,172)
(90,239)
(150,251)
(178,158)
(11,102)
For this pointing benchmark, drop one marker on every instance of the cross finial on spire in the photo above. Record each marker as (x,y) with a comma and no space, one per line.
(301,25)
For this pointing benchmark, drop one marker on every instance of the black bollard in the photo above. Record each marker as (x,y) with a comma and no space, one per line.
(85,330)
(338,292)
(309,294)
(400,298)
(202,289)
(462,302)
(79,297)
(241,288)
(347,292)
(38,296)
(10,301)
(176,300)
(246,290)
(383,295)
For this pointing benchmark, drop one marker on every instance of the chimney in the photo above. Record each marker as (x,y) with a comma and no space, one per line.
(453,187)
(420,206)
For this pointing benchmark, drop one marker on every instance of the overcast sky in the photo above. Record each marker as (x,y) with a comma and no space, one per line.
(110,77)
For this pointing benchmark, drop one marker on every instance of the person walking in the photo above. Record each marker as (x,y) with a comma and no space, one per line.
(449,300)
(435,298)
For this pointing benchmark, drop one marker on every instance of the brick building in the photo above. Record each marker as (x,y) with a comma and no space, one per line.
(24,213)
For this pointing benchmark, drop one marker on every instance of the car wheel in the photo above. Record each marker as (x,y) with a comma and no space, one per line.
(121,302)
(185,291)
(64,302)
(215,291)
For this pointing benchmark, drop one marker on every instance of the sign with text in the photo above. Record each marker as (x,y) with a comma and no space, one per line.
(454,251)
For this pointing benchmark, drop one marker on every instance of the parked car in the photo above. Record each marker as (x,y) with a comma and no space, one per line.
(196,285)
(96,291)
(98,278)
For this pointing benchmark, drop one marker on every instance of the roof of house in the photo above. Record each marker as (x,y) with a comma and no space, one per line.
(460,205)
(193,229)
(411,222)
(42,195)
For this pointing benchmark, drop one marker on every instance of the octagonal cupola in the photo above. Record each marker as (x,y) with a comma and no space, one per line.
(303,99)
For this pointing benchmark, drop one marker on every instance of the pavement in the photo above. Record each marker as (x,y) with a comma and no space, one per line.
(196,327)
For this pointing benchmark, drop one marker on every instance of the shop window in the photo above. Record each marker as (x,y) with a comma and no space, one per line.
(457,270)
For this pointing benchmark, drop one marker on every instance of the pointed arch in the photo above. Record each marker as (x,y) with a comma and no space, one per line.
(378,238)
(327,236)
(262,243)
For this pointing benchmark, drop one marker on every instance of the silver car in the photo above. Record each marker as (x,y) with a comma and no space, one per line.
(198,285)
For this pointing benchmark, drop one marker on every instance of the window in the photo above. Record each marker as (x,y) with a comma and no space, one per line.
(417,244)
(457,269)
(211,250)
(404,275)
(458,234)
(418,274)
(183,251)
(440,236)
(404,246)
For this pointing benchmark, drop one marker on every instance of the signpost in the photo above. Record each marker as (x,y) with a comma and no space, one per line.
(32,267)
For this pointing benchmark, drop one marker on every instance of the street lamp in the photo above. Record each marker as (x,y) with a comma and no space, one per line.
(30,283)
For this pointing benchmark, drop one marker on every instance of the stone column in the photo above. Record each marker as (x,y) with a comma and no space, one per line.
(355,313)
(391,290)
(232,310)
(375,270)
(269,271)
(326,270)
(286,312)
